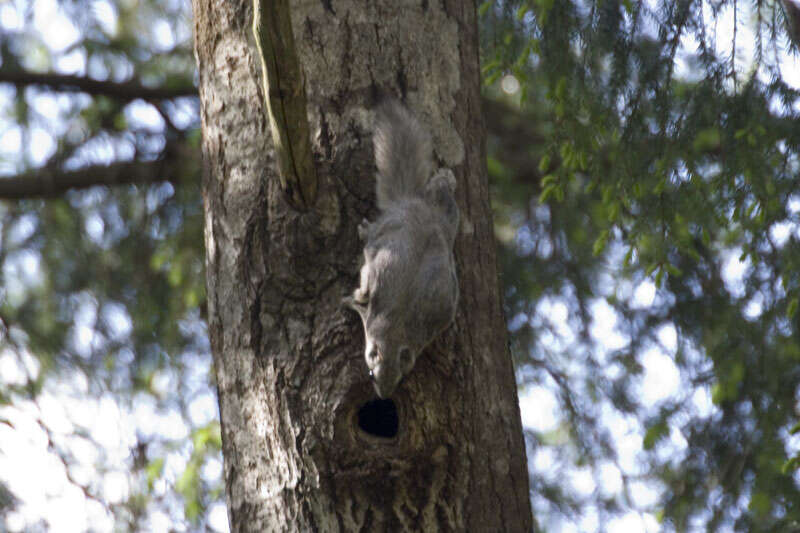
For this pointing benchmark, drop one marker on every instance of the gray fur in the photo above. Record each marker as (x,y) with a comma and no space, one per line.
(408,290)
(402,154)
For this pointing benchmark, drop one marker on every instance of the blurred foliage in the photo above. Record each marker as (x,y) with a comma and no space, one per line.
(646,210)
(103,289)
(667,157)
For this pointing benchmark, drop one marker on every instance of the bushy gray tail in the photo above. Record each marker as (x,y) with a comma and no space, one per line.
(403,154)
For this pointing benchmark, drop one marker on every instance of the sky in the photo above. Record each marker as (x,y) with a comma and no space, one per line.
(40,479)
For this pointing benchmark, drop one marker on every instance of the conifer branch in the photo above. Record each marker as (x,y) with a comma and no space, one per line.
(125,91)
(51,182)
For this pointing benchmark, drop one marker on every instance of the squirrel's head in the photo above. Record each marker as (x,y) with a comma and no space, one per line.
(388,363)
(389,352)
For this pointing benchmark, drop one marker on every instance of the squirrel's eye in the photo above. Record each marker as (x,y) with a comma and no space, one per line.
(372,352)
(405,356)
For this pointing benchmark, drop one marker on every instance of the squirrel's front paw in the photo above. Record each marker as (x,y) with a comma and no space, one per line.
(358,301)
(363,229)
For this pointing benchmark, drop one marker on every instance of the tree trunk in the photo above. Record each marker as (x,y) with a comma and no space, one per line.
(304,448)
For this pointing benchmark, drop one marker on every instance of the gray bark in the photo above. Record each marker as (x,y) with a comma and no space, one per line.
(288,358)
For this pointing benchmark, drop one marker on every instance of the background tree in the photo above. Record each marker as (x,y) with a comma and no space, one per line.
(664,386)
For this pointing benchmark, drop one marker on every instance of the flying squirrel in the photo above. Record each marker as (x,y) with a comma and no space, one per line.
(408,289)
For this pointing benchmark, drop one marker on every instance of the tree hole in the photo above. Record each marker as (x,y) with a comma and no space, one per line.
(379,418)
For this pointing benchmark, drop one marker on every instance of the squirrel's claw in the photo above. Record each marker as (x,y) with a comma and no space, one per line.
(363,229)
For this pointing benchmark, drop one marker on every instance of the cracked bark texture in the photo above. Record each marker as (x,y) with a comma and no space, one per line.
(288,358)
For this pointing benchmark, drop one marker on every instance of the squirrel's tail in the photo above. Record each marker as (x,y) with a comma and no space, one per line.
(402,153)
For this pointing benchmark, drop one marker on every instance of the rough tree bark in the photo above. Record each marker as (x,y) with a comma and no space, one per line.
(300,453)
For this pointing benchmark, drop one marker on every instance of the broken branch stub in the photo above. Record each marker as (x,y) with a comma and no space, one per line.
(284,92)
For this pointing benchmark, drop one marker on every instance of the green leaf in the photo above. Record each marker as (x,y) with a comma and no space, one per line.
(544,163)
(547,180)
(791,309)
(673,270)
(613,212)
(559,193)
(791,465)
(717,394)
(583,161)
(628,257)
(600,243)
(490,66)
(187,482)
(706,237)
(547,192)
(490,80)
(153,471)
(659,278)
(654,434)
